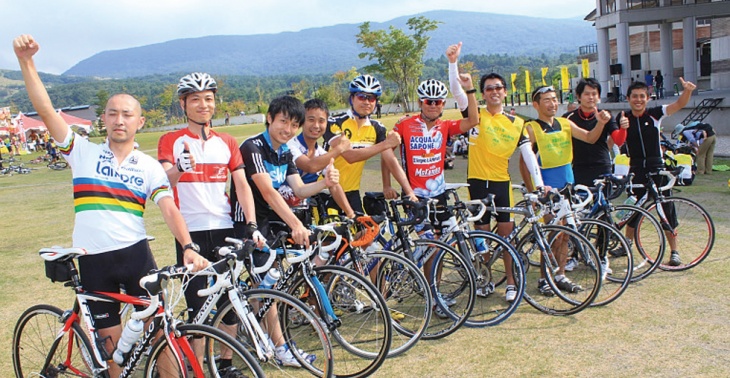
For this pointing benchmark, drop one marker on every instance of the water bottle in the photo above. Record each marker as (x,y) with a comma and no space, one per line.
(621,214)
(130,335)
(270,279)
(321,258)
(480,245)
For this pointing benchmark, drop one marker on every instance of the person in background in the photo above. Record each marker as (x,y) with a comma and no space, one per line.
(659,84)
(649,80)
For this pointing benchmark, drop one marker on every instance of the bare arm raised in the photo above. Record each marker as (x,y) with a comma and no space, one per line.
(25,48)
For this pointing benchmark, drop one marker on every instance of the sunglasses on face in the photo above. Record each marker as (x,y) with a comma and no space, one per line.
(366,97)
(490,88)
(429,101)
(541,91)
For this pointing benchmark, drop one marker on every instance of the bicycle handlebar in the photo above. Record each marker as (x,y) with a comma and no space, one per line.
(584,203)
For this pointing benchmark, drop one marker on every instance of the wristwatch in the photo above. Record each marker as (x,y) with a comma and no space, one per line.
(193,246)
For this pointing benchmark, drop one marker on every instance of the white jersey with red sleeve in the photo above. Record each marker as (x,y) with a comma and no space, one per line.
(423,153)
(201,194)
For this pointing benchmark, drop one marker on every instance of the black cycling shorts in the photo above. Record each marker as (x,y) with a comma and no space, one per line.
(502,191)
(108,272)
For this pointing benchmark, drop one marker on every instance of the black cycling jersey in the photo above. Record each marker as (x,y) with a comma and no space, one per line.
(260,157)
(643,138)
(588,155)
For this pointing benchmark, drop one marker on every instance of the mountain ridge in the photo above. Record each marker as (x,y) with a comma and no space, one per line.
(328,49)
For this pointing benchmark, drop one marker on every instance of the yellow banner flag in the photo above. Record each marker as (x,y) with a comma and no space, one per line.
(514,77)
(528,88)
(586,70)
(565,78)
(544,73)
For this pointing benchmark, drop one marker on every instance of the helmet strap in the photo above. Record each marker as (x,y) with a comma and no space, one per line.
(203,134)
(355,113)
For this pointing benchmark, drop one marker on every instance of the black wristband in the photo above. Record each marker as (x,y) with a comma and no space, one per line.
(470,91)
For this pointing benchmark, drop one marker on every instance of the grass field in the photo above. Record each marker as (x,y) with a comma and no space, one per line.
(668,325)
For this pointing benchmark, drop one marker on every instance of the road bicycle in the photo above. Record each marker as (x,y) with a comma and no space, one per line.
(302,332)
(647,237)
(551,242)
(491,257)
(399,281)
(451,281)
(349,306)
(49,342)
(688,227)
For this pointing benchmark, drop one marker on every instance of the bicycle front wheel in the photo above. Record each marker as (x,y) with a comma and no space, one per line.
(190,340)
(643,232)
(695,232)
(496,266)
(301,328)
(558,243)
(36,340)
(362,341)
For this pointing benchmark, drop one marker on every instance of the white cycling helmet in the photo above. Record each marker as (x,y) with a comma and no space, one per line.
(432,89)
(196,82)
(366,84)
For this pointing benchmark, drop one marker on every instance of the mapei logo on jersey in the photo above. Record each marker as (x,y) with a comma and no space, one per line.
(427,159)
(427,172)
(425,142)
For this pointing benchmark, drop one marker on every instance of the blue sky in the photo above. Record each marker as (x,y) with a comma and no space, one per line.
(72,30)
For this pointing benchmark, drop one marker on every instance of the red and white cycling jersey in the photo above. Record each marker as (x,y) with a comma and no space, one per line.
(110,197)
(201,195)
(423,153)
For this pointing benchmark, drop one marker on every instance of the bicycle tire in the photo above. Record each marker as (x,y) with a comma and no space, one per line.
(212,338)
(695,221)
(406,293)
(490,268)
(605,237)
(360,308)
(457,285)
(587,274)
(647,237)
(33,341)
(301,328)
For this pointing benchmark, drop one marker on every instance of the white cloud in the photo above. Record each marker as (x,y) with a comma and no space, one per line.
(70,31)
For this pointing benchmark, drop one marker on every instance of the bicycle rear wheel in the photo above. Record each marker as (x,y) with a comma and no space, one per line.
(586,274)
(491,273)
(362,341)
(695,232)
(162,363)
(301,328)
(617,269)
(452,284)
(35,340)
(406,293)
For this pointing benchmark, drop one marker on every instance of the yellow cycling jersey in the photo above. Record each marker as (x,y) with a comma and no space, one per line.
(555,147)
(360,137)
(492,142)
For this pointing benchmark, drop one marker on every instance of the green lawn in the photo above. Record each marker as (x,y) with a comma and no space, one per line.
(671,324)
